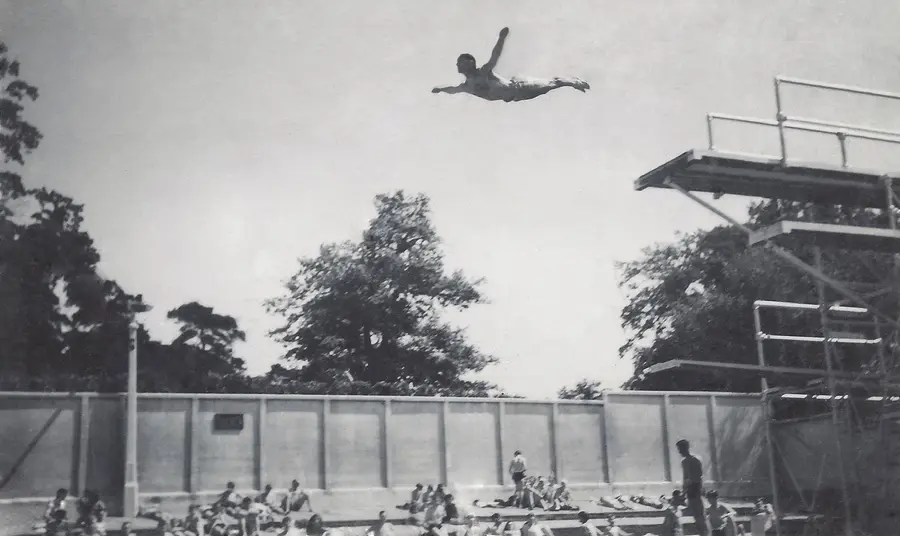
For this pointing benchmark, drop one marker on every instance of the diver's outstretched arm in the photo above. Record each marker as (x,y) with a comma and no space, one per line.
(449,89)
(498,49)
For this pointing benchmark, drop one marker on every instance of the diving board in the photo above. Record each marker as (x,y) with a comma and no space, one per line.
(830,236)
(755,176)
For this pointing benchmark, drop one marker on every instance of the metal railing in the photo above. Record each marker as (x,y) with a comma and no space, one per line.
(783,122)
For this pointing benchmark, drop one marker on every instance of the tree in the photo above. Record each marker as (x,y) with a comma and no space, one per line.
(583,390)
(54,307)
(201,358)
(366,316)
(693,299)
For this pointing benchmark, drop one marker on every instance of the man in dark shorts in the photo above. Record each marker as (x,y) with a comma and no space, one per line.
(517,468)
(692,469)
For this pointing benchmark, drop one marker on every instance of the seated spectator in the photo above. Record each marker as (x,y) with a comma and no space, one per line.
(270,499)
(56,504)
(91,512)
(561,498)
(720,516)
(440,493)
(614,530)
(381,527)
(471,527)
(434,512)
(429,493)
(451,512)
(288,528)
(127,529)
(496,527)
(587,529)
(532,527)
(228,499)
(57,525)
(414,504)
(761,518)
(296,498)
(194,523)
(673,524)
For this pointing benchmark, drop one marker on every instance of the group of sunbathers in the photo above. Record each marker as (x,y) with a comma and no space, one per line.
(229,515)
(90,515)
(233,515)
(537,492)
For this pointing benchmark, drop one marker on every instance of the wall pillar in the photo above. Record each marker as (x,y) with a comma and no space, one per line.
(326,458)
(194,454)
(261,443)
(556,466)
(446,462)
(84,430)
(667,448)
(388,476)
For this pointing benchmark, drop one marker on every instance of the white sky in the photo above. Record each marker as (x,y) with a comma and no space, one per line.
(213,142)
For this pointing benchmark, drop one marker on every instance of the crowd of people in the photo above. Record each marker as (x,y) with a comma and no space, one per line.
(432,511)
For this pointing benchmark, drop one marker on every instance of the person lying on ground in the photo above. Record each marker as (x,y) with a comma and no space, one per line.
(612,502)
(646,501)
(483,83)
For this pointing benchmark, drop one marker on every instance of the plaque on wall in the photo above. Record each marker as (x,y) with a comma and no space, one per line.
(228,422)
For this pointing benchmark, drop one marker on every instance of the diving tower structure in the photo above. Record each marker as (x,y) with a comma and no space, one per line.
(813,184)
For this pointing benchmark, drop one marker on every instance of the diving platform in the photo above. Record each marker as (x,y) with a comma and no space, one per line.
(828,235)
(757,370)
(769,178)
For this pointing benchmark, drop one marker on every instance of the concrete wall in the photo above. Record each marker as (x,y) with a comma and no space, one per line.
(625,441)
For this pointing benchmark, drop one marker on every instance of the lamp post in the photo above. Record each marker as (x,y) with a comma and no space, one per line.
(130,495)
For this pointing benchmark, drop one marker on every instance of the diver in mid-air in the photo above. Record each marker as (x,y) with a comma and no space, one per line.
(482,82)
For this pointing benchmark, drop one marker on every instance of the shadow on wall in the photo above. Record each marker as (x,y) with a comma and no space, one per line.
(741,450)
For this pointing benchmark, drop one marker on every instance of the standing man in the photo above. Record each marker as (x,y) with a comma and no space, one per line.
(517,468)
(692,469)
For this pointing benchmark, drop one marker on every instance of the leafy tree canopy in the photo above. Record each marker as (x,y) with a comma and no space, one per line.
(368,313)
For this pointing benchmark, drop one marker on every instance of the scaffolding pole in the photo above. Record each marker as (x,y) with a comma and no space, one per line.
(832,391)
(767,419)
